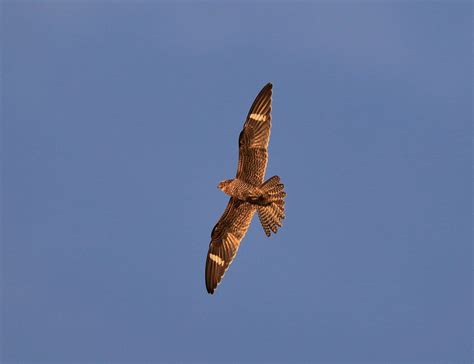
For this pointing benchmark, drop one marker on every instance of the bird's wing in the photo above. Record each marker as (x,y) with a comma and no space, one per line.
(225,240)
(254,138)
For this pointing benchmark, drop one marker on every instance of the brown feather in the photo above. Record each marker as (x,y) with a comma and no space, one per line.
(254,139)
(225,240)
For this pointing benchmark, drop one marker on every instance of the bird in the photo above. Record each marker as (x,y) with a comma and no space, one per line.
(248,192)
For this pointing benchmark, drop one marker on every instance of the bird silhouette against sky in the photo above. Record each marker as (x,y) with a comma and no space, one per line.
(248,192)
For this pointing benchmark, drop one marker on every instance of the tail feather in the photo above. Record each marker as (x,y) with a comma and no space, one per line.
(272,215)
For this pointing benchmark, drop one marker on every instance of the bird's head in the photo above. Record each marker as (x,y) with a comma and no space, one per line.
(224,185)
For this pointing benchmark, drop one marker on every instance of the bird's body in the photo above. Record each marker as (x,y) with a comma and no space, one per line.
(249,193)
(242,190)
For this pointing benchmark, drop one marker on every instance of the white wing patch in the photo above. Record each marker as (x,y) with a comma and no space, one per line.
(217,259)
(258,117)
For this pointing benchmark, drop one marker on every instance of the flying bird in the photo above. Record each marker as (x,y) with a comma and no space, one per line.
(248,192)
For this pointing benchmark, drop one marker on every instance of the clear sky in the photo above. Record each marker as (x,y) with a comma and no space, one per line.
(119,118)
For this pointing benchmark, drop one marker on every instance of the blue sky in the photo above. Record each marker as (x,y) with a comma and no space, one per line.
(120,118)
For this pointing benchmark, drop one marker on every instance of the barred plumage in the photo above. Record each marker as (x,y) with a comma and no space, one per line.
(248,192)
(271,215)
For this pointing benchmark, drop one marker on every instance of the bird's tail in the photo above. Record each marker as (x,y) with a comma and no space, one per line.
(272,214)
